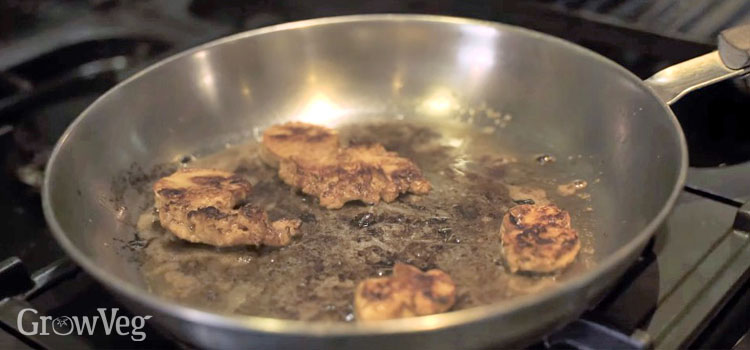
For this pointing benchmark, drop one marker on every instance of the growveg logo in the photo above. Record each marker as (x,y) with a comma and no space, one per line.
(66,325)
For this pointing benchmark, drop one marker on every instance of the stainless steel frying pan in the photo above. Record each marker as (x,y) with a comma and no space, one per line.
(564,98)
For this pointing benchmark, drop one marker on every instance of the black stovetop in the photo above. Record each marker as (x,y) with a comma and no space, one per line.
(689,288)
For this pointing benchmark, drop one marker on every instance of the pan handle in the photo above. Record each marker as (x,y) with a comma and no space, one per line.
(731,60)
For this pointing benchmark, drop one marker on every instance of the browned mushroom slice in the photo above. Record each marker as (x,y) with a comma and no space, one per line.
(364,172)
(299,140)
(408,292)
(309,158)
(199,205)
(538,238)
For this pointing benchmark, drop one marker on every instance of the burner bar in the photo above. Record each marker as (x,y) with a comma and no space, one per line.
(713,196)
(683,313)
(10,308)
(14,273)
(17,82)
(14,278)
(50,276)
(133,19)
(726,14)
(743,343)
(691,15)
(699,20)
(724,182)
(582,334)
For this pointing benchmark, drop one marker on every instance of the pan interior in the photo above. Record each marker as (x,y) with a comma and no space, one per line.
(454,228)
(457,80)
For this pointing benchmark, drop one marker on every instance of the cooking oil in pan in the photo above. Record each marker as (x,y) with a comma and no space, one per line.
(455,228)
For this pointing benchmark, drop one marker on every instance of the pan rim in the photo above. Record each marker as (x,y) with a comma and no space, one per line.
(320,329)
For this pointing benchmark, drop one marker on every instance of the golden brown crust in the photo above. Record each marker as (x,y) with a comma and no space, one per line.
(198,205)
(408,292)
(538,238)
(364,172)
(310,160)
(296,138)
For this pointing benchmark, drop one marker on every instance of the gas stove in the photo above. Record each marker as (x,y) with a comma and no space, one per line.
(688,289)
